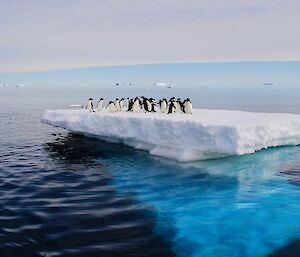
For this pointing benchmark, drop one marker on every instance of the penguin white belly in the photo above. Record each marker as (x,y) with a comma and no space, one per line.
(175,108)
(121,105)
(163,107)
(136,107)
(99,106)
(90,107)
(178,107)
(188,108)
(112,108)
(117,106)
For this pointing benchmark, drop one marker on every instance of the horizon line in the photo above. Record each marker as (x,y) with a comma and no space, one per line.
(148,64)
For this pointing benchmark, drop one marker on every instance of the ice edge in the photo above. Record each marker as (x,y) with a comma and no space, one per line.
(207,134)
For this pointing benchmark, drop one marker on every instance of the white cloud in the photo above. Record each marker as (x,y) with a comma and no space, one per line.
(42,35)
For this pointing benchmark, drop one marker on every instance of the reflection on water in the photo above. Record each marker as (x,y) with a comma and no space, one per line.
(290,250)
(291,171)
(66,207)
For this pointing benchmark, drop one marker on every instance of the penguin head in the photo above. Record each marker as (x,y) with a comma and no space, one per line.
(117,98)
(101,98)
(90,99)
(122,99)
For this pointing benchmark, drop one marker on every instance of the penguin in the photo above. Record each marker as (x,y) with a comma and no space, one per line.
(121,104)
(136,105)
(179,105)
(130,105)
(117,104)
(173,100)
(153,104)
(111,107)
(126,102)
(188,107)
(183,105)
(90,105)
(159,102)
(146,104)
(100,105)
(163,106)
(140,102)
(172,107)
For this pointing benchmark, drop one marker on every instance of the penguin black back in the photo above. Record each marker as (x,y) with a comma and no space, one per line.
(152,102)
(171,107)
(130,105)
(145,104)
(160,101)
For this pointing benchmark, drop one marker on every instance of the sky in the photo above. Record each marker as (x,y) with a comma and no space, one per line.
(41,35)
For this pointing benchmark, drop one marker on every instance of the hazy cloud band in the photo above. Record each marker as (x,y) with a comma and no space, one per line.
(57,34)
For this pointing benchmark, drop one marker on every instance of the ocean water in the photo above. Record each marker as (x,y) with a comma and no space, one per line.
(67,195)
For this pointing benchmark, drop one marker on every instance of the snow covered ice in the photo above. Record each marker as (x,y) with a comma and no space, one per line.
(205,134)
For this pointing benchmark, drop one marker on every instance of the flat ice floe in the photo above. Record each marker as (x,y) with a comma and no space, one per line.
(203,135)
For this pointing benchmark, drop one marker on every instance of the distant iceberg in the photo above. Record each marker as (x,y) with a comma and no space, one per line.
(162,84)
(205,134)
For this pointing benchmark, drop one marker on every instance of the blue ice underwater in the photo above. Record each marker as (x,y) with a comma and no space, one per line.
(240,206)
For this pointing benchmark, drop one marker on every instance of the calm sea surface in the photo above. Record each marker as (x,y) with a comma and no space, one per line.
(67,195)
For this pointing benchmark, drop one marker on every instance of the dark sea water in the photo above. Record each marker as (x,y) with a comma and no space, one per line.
(63,194)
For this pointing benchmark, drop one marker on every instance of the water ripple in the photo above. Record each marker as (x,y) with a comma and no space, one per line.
(57,201)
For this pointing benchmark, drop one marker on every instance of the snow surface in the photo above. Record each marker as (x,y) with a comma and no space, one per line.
(205,134)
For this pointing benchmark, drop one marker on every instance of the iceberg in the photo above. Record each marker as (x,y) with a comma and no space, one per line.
(206,134)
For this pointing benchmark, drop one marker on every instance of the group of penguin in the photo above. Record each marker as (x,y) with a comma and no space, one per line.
(139,104)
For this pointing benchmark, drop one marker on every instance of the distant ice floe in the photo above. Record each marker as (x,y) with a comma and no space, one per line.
(162,84)
(205,134)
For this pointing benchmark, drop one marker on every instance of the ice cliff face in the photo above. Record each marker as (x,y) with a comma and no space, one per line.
(205,134)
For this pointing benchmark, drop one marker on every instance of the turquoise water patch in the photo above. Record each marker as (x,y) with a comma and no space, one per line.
(238,206)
